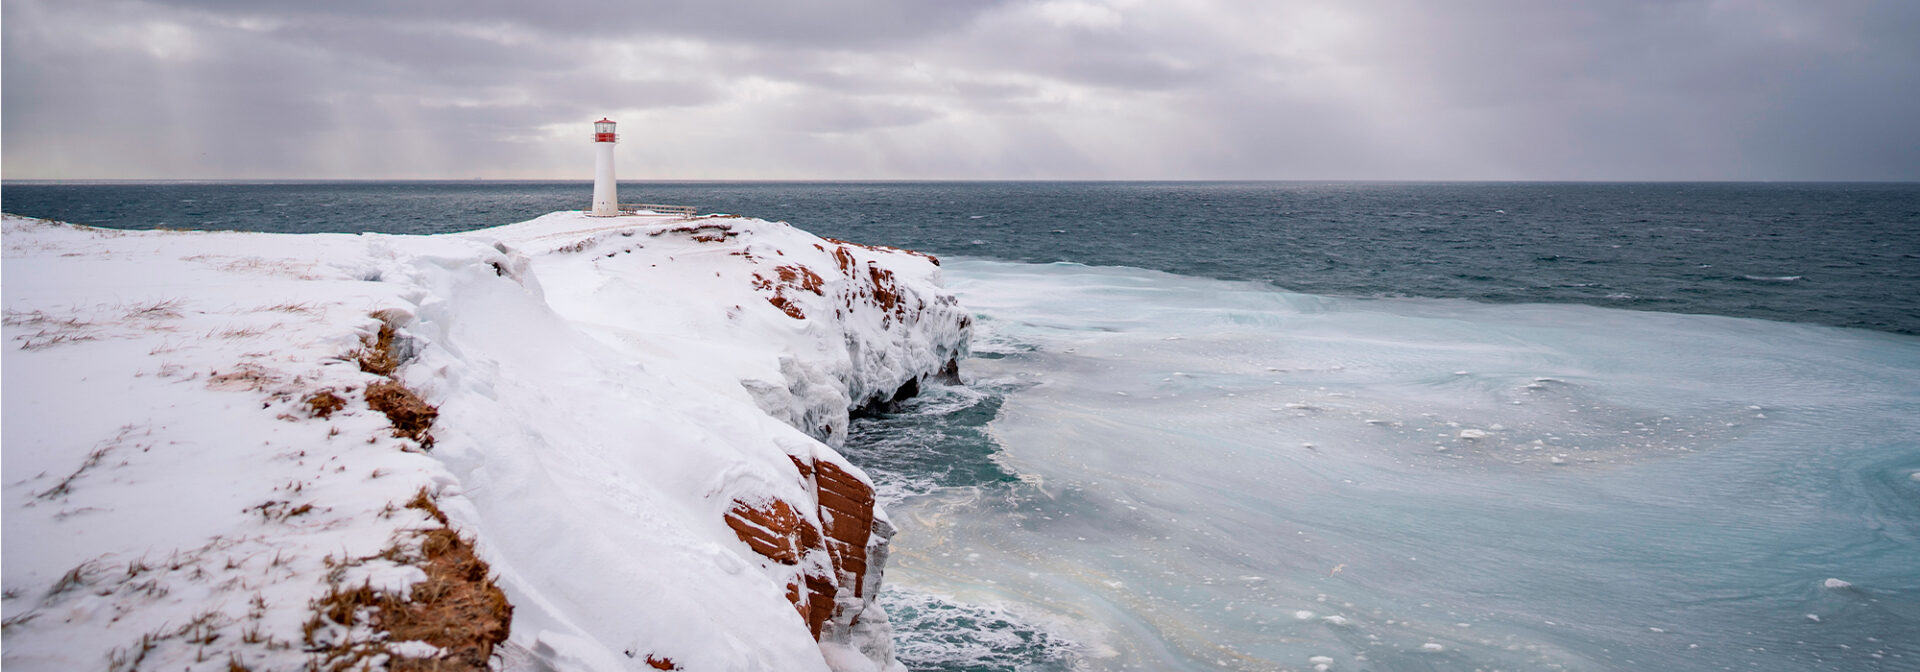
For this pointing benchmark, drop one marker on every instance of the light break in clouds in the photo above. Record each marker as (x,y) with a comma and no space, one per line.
(965,89)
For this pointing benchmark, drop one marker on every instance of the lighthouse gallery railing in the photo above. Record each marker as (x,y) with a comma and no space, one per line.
(635,208)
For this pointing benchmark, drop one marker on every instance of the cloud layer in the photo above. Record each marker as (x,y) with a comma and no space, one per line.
(965,89)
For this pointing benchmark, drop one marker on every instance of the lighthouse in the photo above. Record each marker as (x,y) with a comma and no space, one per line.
(606,196)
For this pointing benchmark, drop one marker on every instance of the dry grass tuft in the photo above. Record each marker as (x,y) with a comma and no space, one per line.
(322,404)
(240,332)
(411,416)
(423,501)
(378,357)
(245,377)
(78,577)
(48,339)
(166,308)
(35,318)
(289,307)
(458,608)
(382,355)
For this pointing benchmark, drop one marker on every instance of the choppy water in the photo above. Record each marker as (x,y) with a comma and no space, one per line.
(1365,426)
(1840,254)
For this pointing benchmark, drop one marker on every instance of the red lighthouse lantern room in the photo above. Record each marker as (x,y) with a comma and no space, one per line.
(603,130)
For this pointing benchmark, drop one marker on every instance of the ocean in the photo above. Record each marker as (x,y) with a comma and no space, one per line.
(1348,426)
(1839,254)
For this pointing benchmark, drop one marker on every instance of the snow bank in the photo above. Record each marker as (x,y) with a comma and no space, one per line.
(634,426)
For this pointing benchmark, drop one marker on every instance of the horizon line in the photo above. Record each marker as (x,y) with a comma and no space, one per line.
(319,180)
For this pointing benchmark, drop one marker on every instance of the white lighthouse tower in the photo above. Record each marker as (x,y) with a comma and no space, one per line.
(606,196)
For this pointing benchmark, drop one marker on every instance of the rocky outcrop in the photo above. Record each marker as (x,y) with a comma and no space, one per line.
(830,552)
(812,330)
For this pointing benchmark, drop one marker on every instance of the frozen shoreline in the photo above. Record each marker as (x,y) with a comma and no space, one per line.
(621,402)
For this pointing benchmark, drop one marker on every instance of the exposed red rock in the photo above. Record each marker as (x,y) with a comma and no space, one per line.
(794,277)
(773,530)
(704,232)
(846,510)
(791,309)
(845,507)
(801,277)
(887,248)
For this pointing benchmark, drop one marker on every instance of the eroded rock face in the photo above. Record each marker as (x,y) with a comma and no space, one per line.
(831,587)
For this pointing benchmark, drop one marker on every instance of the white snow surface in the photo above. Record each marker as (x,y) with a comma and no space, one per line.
(607,387)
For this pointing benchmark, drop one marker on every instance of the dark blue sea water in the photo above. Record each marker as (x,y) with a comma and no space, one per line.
(1838,254)
(1349,426)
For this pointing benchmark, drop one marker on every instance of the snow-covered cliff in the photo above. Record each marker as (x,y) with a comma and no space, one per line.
(612,435)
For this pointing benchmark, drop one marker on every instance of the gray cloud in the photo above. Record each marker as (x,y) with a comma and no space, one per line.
(1121,89)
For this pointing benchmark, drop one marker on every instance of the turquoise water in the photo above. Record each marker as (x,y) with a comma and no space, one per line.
(1183,473)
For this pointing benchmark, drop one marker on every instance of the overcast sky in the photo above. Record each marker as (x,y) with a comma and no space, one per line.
(965,89)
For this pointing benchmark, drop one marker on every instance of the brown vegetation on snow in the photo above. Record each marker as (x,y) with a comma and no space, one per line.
(458,608)
(411,416)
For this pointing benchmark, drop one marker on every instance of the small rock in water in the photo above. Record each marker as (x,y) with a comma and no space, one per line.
(1836,584)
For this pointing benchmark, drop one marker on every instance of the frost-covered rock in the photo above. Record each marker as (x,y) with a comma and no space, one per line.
(605,398)
(809,327)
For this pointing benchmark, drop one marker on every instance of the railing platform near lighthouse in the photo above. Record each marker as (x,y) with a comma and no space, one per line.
(637,208)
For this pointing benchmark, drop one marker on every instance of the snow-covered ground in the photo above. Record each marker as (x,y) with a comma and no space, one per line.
(181,492)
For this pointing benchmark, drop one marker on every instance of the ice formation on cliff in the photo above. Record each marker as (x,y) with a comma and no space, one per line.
(633,428)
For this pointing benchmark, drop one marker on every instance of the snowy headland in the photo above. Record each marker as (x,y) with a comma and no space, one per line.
(570,443)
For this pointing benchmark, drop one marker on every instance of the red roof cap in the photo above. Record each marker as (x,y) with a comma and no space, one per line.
(604,120)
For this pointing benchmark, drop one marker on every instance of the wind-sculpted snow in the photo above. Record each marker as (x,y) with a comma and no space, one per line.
(809,327)
(202,466)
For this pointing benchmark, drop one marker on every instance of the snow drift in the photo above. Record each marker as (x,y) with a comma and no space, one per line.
(272,451)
